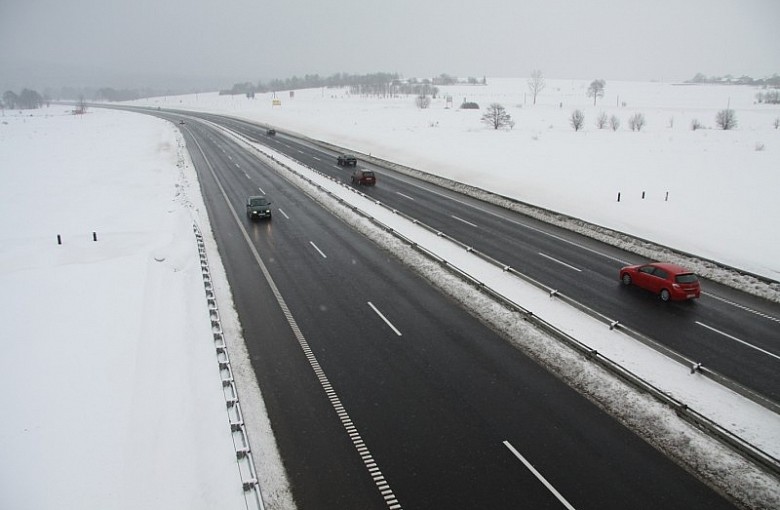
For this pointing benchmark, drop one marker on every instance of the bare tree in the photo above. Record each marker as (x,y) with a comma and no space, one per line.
(777,122)
(726,119)
(614,122)
(423,101)
(601,120)
(577,120)
(695,124)
(81,106)
(636,122)
(496,117)
(536,83)
(596,90)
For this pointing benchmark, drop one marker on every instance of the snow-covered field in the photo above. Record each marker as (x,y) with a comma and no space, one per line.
(111,391)
(722,185)
(112,395)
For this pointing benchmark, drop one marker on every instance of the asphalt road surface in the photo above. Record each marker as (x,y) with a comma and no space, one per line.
(383,393)
(725,330)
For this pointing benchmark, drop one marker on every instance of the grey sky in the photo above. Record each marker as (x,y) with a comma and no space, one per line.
(136,43)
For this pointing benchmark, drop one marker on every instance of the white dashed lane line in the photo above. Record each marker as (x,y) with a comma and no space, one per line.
(737,340)
(318,249)
(376,310)
(539,476)
(560,262)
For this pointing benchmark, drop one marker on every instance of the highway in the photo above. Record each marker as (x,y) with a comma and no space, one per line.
(381,391)
(728,331)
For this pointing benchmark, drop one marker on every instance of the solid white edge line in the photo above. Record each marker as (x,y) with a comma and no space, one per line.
(384,318)
(737,340)
(539,476)
(559,262)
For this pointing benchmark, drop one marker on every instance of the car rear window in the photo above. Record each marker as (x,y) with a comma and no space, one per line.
(368,174)
(686,278)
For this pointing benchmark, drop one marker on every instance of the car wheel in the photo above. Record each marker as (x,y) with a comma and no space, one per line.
(665,296)
(626,279)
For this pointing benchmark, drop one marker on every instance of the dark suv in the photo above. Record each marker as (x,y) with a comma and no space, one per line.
(258,207)
(363,177)
(346,160)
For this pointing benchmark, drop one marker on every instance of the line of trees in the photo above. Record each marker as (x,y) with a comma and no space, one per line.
(26,100)
(376,84)
(773,81)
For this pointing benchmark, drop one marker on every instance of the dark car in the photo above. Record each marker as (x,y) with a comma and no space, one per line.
(346,160)
(270,132)
(363,177)
(258,207)
(669,281)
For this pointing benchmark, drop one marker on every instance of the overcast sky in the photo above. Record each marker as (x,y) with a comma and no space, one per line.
(194,43)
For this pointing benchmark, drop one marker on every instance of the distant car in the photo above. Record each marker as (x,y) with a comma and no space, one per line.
(363,177)
(669,281)
(270,132)
(181,122)
(258,207)
(346,160)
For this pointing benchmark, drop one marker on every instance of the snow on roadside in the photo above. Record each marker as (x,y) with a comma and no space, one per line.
(111,393)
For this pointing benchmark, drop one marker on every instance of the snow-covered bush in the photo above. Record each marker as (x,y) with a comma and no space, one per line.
(636,122)
(601,120)
(577,119)
(726,119)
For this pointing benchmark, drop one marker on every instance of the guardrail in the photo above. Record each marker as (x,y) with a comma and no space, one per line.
(246,466)
(681,409)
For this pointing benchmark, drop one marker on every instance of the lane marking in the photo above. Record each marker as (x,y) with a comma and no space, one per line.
(261,190)
(357,441)
(283,213)
(539,476)
(560,262)
(529,227)
(318,250)
(405,196)
(737,340)
(742,307)
(384,318)
(464,221)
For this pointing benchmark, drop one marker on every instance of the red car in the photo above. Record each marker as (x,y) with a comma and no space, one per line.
(669,281)
(363,177)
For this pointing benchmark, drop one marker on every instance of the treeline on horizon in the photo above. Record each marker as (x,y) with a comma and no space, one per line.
(381,84)
(728,79)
